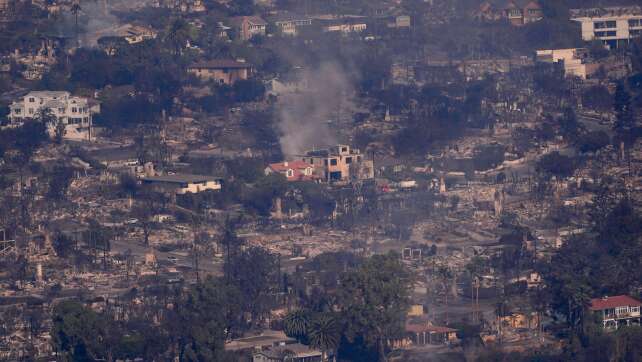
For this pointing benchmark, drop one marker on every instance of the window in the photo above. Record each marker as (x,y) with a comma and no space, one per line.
(31,100)
(635,309)
(348,160)
(18,110)
(30,110)
(604,33)
(325,162)
(611,24)
(344,149)
(621,310)
(333,162)
(634,22)
(636,32)
(290,173)
(74,109)
(514,12)
(61,110)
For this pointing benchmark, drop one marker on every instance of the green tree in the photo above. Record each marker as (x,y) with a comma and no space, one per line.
(373,301)
(177,34)
(254,272)
(80,334)
(623,111)
(206,316)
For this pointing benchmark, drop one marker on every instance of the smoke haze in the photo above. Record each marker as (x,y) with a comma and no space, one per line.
(304,116)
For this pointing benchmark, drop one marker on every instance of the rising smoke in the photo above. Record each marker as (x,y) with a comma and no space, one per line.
(306,118)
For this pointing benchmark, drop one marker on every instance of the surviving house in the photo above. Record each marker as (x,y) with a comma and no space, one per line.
(574,61)
(344,25)
(617,311)
(613,26)
(290,24)
(517,12)
(247,27)
(183,184)
(75,113)
(292,170)
(224,71)
(295,352)
(339,163)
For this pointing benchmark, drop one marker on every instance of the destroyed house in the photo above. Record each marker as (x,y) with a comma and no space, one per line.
(617,311)
(295,352)
(224,71)
(517,12)
(339,163)
(183,184)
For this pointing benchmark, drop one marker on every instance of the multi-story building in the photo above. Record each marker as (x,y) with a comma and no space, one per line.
(290,24)
(75,113)
(339,163)
(517,12)
(248,27)
(574,61)
(617,311)
(613,26)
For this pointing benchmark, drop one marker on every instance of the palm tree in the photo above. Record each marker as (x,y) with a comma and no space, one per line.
(324,334)
(448,279)
(296,324)
(75,9)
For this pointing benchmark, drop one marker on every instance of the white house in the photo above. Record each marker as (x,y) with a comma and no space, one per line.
(611,25)
(75,113)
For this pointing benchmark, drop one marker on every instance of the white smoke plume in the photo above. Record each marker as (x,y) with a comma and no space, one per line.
(304,116)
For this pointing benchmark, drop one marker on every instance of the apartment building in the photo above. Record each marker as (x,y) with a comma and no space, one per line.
(75,113)
(617,311)
(613,26)
(339,163)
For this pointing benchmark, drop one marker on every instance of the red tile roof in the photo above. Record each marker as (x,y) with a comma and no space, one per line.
(613,302)
(298,167)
